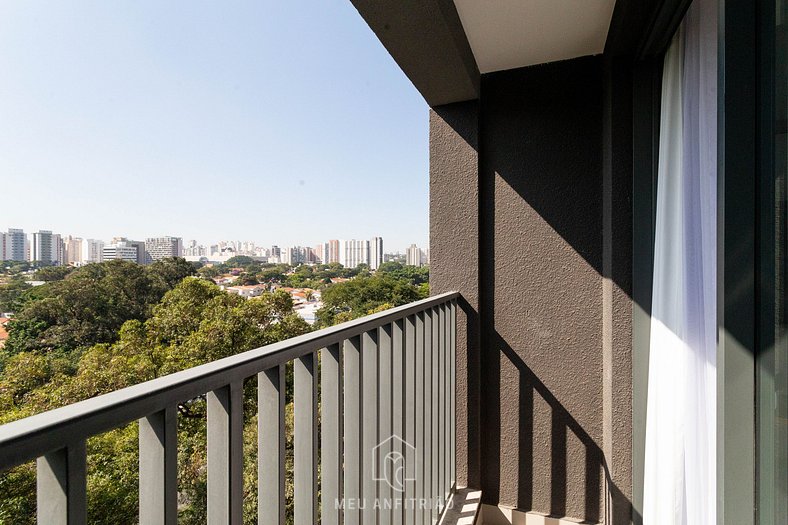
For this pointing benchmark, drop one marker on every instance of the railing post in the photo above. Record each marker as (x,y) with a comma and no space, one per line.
(453,408)
(385,433)
(434,435)
(271,446)
(419,491)
(442,405)
(427,446)
(410,416)
(331,434)
(305,440)
(61,487)
(158,483)
(397,411)
(369,423)
(225,455)
(352,428)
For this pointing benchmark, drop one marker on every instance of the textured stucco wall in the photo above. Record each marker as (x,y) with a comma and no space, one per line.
(541,130)
(538,240)
(454,245)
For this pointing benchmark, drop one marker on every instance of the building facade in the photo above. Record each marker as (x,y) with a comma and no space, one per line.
(123,250)
(74,250)
(294,255)
(354,252)
(333,251)
(139,246)
(47,248)
(93,251)
(163,247)
(15,245)
(375,252)
(414,256)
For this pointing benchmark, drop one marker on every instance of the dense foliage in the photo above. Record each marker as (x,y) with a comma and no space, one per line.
(364,295)
(250,271)
(194,323)
(89,305)
(102,327)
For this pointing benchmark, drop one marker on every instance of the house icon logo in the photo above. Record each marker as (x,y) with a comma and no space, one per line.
(393,461)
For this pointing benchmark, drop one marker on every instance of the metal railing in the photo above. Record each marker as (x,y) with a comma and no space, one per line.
(387,430)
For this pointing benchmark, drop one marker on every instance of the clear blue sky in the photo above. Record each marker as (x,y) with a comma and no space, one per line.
(278,122)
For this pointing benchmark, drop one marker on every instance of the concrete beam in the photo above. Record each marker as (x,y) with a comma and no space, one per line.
(426,39)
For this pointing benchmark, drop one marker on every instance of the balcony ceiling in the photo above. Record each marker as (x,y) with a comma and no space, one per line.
(506,34)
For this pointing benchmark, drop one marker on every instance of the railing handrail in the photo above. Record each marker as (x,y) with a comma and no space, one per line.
(34,436)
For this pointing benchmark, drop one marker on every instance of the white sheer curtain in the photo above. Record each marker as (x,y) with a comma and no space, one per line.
(679,477)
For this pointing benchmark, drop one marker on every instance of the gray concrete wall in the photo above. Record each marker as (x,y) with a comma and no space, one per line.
(454,229)
(549,281)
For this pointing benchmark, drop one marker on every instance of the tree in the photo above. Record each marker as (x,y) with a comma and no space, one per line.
(11,294)
(360,296)
(240,261)
(89,306)
(172,270)
(194,323)
(415,274)
(53,273)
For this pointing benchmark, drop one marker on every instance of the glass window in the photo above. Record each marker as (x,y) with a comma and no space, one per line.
(773,365)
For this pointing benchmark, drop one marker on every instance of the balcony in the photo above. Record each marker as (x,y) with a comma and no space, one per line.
(374,405)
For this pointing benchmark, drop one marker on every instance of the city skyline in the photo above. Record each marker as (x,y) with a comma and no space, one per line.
(184,118)
(226,239)
(46,246)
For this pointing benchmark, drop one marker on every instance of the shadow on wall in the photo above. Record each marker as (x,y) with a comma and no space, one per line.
(540,364)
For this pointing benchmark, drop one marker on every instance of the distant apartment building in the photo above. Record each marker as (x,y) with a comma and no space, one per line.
(123,250)
(47,248)
(139,246)
(333,251)
(414,256)
(295,255)
(93,251)
(194,250)
(163,247)
(354,252)
(73,250)
(375,253)
(321,253)
(2,246)
(15,245)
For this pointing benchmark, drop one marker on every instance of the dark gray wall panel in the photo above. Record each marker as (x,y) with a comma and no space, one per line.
(454,256)
(541,281)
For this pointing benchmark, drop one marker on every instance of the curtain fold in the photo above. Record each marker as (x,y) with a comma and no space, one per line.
(680,474)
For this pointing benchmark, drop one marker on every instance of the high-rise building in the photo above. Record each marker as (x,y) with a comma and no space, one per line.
(295,255)
(321,253)
(354,252)
(93,251)
(15,245)
(194,249)
(120,250)
(333,251)
(48,248)
(414,257)
(74,250)
(375,253)
(163,247)
(142,255)
(2,246)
